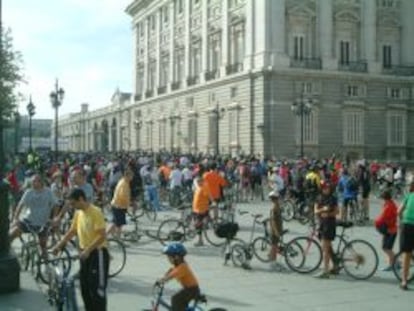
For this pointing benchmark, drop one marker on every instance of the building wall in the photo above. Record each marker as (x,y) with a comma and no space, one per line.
(351,59)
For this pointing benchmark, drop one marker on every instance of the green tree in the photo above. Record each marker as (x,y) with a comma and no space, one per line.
(10,77)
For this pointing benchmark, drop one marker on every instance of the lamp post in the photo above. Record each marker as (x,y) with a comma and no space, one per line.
(302,107)
(16,131)
(56,97)
(138,126)
(31,112)
(219,115)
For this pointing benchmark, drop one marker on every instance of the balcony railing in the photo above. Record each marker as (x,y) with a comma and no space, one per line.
(308,63)
(175,85)
(149,93)
(234,68)
(399,70)
(162,90)
(212,74)
(138,97)
(192,80)
(359,66)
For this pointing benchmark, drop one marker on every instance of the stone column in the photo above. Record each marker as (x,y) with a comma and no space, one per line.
(407,39)
(369,34)
(326,34)
(135,36)
(145,24)
(187,41)
(172,45)
(224,38)
(204,38)
(157,17)
(276,35)
(249,35)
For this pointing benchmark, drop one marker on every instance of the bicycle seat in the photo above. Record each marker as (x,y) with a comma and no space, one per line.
(344,224)
(243,212)
(201,298)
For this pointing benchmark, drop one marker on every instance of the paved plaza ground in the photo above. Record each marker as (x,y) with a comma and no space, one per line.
(239,290)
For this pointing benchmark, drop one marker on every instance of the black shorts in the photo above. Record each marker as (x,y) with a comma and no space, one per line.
(388,241)
(327,229)
(26,227)
(407,238)
(118,216)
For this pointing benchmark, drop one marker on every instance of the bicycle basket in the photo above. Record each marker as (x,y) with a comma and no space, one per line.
(227,230)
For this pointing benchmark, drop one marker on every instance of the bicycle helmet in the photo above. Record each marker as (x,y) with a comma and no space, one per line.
(173,249)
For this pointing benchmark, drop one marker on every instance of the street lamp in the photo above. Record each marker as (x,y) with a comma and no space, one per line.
(138,126)
(31,111)
(219,115)
(16,131)
(56,97)
(302,107)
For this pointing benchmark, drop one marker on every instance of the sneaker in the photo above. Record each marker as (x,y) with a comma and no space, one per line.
(323,275)
(387,269)
(334,271)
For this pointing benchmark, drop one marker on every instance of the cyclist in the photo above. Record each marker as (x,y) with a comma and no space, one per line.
(40,203)
(276,228)
(386,224)
(201,200)
(406,212)
(120,203)
(215,183)
(326,208)
(89,225)
(181,271)
(348,191)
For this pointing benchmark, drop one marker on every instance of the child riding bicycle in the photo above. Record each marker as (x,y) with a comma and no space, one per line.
(182,272)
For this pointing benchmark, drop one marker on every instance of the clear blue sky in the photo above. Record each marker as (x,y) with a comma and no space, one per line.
(87,44)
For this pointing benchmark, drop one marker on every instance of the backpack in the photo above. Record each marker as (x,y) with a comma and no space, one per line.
(352,184)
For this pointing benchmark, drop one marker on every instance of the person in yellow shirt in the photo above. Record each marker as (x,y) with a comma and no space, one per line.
(181,271)
(89,225)
(120,203)
(201,201)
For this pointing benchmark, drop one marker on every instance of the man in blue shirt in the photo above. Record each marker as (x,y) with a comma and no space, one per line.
(348,187)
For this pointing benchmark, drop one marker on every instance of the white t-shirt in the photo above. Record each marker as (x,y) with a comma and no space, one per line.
(176,178)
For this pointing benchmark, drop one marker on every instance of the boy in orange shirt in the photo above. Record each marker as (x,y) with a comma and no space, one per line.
(182,272)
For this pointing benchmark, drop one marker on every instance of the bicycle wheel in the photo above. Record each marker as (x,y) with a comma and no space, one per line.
(171,230)
(397,267)
(239,255)
(288,210)
(261,249)
(211,236)
(117,257)
(305,255)
(62,260)
(360,260)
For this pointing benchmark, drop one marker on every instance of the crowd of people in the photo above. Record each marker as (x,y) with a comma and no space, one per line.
(51,191)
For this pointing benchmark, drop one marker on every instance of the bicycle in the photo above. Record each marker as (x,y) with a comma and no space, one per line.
(352,256)
(33,257)
(159,301)
(181,230)
(242,253)
(61,292)
(295,207)
(397,267)
(357,214)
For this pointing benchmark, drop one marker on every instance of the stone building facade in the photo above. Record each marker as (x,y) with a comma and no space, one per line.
(223,75)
